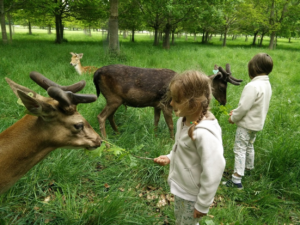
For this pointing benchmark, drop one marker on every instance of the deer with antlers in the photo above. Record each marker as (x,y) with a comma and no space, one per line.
(142,87)
(53,122)
(75,61)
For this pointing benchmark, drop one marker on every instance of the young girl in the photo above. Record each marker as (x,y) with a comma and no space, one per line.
(250,115)
(197,161)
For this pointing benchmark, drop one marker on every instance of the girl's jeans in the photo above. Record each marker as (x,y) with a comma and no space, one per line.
(184,212)
(243,150)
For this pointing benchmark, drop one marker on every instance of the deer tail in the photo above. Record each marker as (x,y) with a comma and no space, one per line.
(96,80)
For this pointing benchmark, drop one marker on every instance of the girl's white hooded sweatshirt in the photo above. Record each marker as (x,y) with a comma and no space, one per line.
(196,167)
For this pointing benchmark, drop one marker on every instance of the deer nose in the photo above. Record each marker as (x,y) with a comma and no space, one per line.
(98,142)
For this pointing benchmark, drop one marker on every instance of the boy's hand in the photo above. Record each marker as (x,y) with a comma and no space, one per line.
(230,114)
(198,214)
(162,160)
(229,120)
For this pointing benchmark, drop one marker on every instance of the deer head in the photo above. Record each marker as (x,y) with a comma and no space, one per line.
(219,83)
(58,114)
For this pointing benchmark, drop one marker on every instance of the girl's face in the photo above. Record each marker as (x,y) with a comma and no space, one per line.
(177,103)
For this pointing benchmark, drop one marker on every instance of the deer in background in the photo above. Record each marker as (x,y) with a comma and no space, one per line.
(142,87)
(75,61)
(53,122)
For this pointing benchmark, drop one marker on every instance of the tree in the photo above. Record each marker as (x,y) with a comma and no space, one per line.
(229,10)
(130,17)
(81,11)
(113,44)
(153,13)
(7,6)
(279,10)
(253,19)
(176,11)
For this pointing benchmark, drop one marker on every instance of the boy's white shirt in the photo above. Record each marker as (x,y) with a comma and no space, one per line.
(196,167)
(254,104)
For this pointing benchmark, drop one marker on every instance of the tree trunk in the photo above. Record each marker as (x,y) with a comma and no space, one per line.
(225,35)
(58,29)
(156,40)
(10,29)
(132,36)
(272,39)
(203,37)
(173,37)
(289,40)
(61,30)
(113,28)
(261,39)
(272,22)
(206,36)
(194,36)
(221,37)
(167,36)
(49,29)
(246,39)
(29,27)
(254,38)
(3,27)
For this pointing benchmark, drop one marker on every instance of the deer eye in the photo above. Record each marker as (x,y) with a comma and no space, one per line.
(78,126)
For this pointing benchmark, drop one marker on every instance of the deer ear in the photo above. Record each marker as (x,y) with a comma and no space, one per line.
(34,106)
(72,53)
(15,87)
(80,55)
(217,76)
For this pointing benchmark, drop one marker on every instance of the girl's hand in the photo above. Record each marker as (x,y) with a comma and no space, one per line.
(162,160)
(198,214)
(230,114)
(229,120)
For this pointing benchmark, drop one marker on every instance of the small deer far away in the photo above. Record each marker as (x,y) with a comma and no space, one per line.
(75,61)
(143,87)
(53,122)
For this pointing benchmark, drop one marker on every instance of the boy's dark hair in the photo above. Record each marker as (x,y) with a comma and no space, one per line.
(261,63)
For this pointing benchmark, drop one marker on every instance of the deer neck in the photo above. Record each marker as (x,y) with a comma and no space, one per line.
(21,147)
(79,68)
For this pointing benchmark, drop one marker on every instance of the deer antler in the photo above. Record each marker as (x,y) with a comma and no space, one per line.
(231,77)
(68,100)
(227,75)
(46,83)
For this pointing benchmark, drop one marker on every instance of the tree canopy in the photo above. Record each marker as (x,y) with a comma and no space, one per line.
(224,17)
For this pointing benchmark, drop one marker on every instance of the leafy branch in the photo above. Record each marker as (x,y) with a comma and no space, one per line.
(117,151)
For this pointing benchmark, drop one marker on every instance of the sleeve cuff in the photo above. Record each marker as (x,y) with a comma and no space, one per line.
(201,208)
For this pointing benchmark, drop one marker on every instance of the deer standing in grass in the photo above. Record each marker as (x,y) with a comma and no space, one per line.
(51,123)
(75,61)
(143,87)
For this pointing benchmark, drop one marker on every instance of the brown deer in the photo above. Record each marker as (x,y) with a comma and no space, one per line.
(75,61)
(51,123)
(142,87)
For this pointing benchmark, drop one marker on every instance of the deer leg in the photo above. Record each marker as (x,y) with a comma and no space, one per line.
(108,110)
(112,121)
(168,118)
(156,117)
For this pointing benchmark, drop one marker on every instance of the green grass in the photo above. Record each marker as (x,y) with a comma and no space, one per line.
(75,181)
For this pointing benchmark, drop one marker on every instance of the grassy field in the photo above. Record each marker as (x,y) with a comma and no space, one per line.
(68,187)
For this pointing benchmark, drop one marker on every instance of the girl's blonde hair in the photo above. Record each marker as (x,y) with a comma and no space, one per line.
(193,89)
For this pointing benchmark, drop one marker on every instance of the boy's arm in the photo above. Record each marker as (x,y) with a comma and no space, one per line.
(247,100)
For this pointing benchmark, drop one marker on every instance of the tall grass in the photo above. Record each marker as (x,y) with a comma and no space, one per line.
(68,186)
